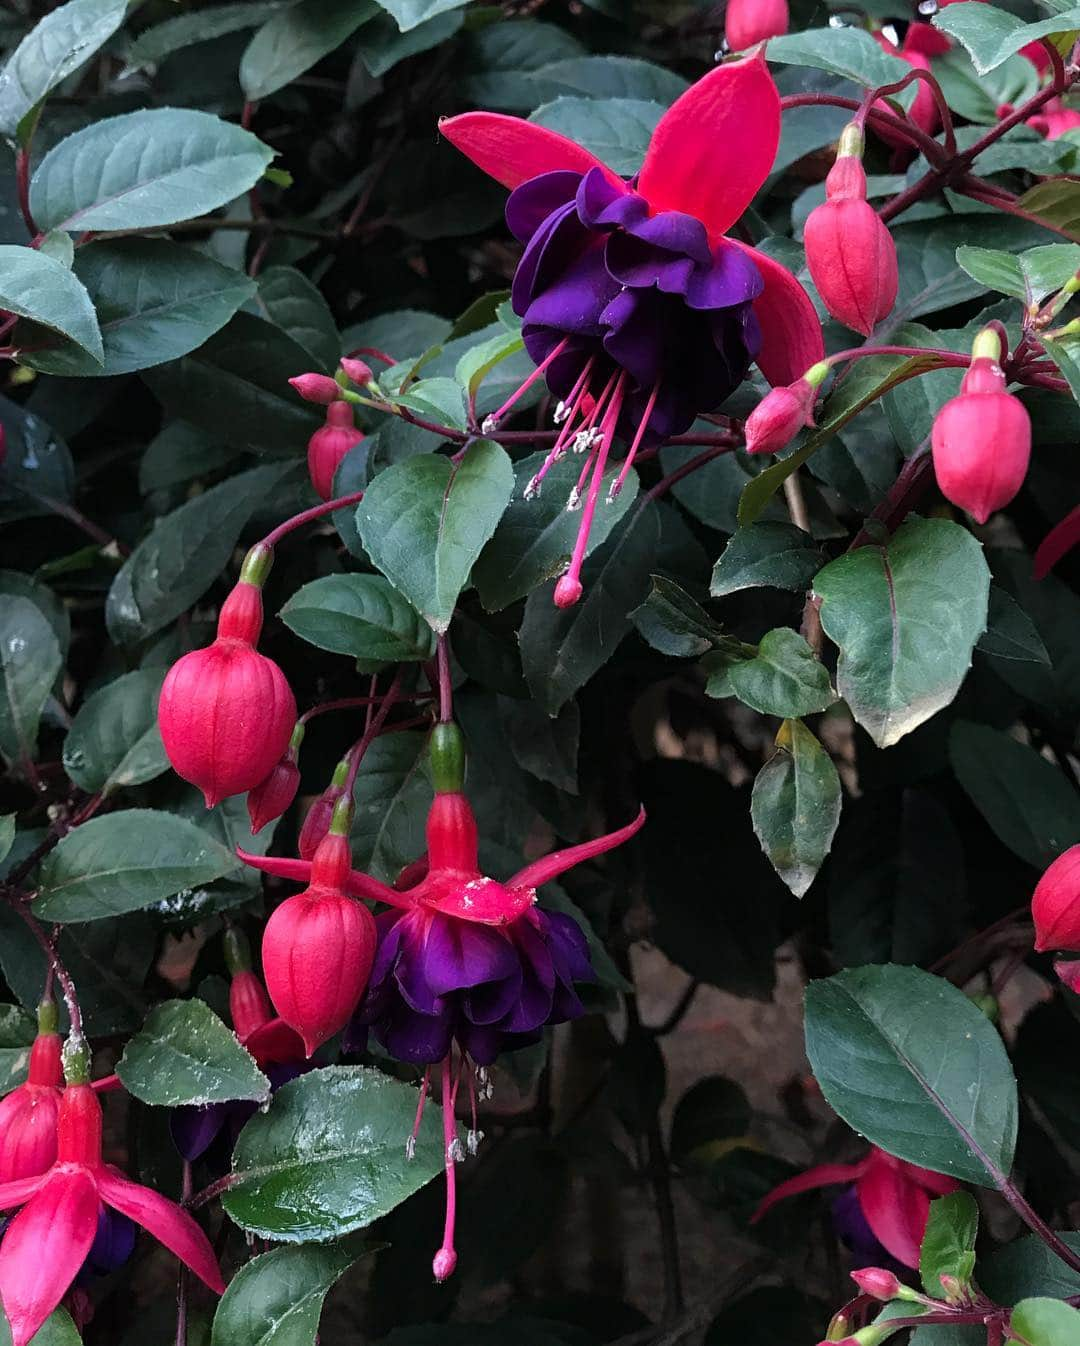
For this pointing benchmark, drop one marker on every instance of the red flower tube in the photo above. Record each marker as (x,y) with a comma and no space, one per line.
(273,795)
(226,712)
(748,22)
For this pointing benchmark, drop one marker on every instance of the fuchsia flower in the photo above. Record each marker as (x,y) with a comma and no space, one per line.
(28,1115)
(46,1244)
(893,1195)
(635,306)
(1055,904)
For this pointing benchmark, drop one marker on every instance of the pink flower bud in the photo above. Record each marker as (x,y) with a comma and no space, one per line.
(1068,973)
(317,388)
(329,445)
(226,712)
(747,22)
(316,822)
(567,592)
(273,795)
(981,442)
(1055,906)
(318,948)
(28,1115)
(850,253)
(877,1282)
(779,417)
(249,1005)
(358,372)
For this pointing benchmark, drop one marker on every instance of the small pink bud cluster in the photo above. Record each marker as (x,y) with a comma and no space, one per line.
(850,253)
(981,439)
(329,445)
(783,412)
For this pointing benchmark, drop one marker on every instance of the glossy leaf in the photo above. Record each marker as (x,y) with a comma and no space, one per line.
(1010,633)
(114,740)
(424,522)
(277,1297)
(1043,1322)
(948,1246)
(290,43)
(795,806)
(774,555)
(37,286)
(202,25)
(905,618)
(185,1055)
(29,662)
(329,1156)
(144,170)
(895,1050)
(359,615)
(848,52)
(126,860)
(993,35)
(616,130)
(392,797)
(1029,276)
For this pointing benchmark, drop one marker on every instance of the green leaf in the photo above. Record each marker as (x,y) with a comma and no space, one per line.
(603,77)
(29,662)
(54,48)
(382,45)
(37,465)
(1026,801)
(503,54)
(425,521)
(155,300)
(905,618)
(291,42)
(236,387)
(185,1055)
(124,861)
(895,1051)
(783,678)
(850,53)
(114,740)
(1029,276)
(18,1028)
(992,35)
(535,538)
(145,170)
(411,13)
(289,300)
(544,746)
(183,555)
(154,44)
(57,1330)
(616,130)
(561,648)
(948,1246)
(7,833)
(276,1299)
(477,363)
(437,399)
(673,623)
(868,381)
(1044,1322)
(392,798)
(770,555)
(37,286)
(1010,633)
(795,806)
(329,1156)
(360,615)
(1066,355)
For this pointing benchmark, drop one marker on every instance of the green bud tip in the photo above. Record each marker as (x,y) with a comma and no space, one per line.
(296,738)
(48,1015)
(851,142)
(341,378)
(341,773)
(987,346)
(447,755)
(341,818)
(237,950)
(76,1057)
(817,374)
(1072,285)
(1070,329)
(257,565)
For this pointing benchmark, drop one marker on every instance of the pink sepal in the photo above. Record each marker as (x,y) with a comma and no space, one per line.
(512,150)
(169,1224)
(823,1175)
(549,867)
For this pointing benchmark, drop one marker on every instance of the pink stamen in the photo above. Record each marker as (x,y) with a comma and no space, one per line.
(568,589)
(425,1084)
(631,453)
(445,1260)
(491,422)
(578,395)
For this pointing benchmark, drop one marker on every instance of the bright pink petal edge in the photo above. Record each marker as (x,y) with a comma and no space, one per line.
(824,1175)
(512,150)
(168,1223)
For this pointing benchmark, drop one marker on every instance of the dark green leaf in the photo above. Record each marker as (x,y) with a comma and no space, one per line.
(360,615)
(53,49)
(155,300)
(7,833)
(674,623)
(775,555)
(616,130)
(992,35)
(783,678)
(1010,633)
(503,55)
(849,52)
(329,1156)
(1057,201)
(144,170)
(796,806)
(1029,276)
(289,300)
(34,285)
(895,1051)
(185,1055)
(202,25)
(412,13)
(182,556)
(948,1246)
(57,1330)
(276,1298)
(546,747)
(711,1112)
(1044,1322)
(17,1032)
(29,662)
(114,740)
(1026,801)
(291,42)
(36,467)
(392,798)
(425,521)
(905,618)
(382,45)
(124,861)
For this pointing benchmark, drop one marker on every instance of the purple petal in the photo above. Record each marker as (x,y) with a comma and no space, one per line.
(459,954)
(529,205)
(194,1130)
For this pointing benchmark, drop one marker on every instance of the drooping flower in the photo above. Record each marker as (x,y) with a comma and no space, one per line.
(316,822)
(849,251)
(748,22)
(226,712)
(981,439)
(47,1243)
(273,795)
(1055,905)
(635,307)
(783,412)
(318,388)
(464,962)
(893,1196)
(28,1115)
(329,445)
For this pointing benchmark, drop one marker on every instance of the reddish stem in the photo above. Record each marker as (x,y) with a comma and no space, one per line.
(22,182)
(308,515)
(877,118)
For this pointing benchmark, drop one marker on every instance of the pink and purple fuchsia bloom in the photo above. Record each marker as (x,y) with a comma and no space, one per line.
(635,307)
